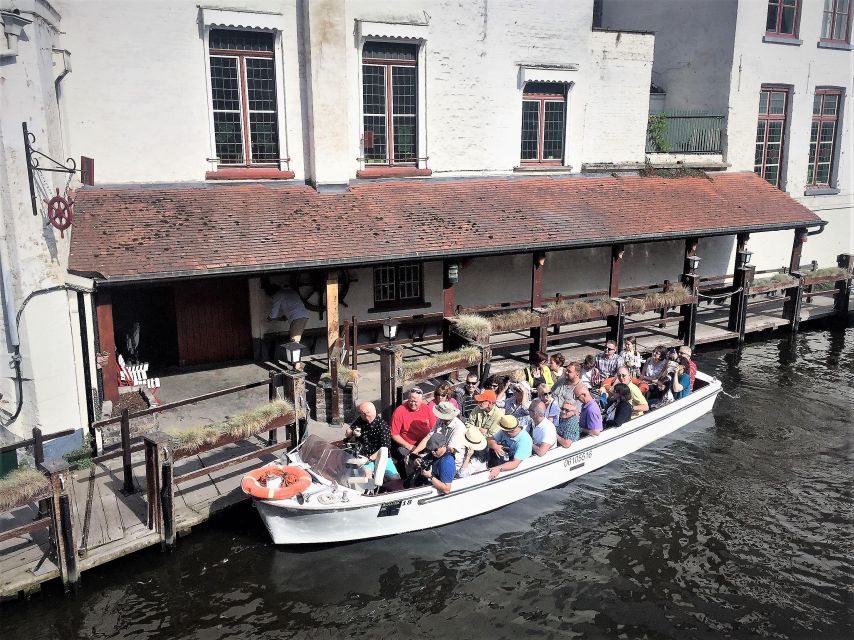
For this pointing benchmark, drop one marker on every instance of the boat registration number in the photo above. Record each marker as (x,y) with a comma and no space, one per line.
(391,508)
(578,460)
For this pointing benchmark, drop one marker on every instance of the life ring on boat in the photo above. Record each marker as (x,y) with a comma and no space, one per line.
(640,384)
(294,480)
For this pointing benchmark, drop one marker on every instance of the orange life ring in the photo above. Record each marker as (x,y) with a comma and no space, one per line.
(294,480)
(640,384)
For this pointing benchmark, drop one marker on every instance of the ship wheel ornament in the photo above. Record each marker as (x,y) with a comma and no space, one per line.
(59,212)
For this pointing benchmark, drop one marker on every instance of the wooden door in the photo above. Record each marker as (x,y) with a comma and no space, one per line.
(213,321)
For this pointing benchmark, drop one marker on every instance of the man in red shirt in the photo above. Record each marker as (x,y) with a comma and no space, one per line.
(410,422)
(692,366)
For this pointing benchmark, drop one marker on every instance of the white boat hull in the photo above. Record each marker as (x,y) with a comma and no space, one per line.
(359,517)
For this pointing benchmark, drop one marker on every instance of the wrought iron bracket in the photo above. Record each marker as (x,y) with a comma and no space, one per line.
(34,157)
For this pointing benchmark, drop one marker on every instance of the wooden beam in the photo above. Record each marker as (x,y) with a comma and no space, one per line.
(537,278)
(333,350)
(690,250)
(797,248)
(616,262)
(449,292)
(107,342)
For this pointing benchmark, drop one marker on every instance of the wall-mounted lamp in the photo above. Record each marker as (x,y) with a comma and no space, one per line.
(803,235)
(294,352)
(693,263)
(453,273)
(617,251)
(743,257)
(390,329)
(539,258)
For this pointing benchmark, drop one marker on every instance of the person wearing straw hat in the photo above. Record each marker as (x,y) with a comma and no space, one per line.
(476,454)
(508,447)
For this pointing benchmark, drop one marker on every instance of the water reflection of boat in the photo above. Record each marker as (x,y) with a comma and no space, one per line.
(336,507)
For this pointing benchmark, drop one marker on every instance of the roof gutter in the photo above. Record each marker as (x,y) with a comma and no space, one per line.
(167,276)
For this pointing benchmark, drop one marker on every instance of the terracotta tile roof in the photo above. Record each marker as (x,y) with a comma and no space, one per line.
(160,231)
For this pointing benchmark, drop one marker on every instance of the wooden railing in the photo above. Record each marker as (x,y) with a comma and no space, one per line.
(417,325)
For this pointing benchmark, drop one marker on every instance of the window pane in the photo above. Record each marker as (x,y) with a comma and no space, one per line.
(787,23)
(384,286)
(228,134)
(827,129)
(771,20)
(225,89)
(375,139)
(840,27)
(403,90)
(771,174)
(775,131)
(264,136)
(816,104)
(409,281)
(530,129)
(373,88)
(831,103)
(763,102)
(822,174)
(404,138)
(778,103)
(389,51)
(557,89)
(553,130)
(261,84)
(241,40)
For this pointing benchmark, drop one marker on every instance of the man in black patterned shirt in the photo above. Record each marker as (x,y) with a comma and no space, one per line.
(465,396)
(371,432)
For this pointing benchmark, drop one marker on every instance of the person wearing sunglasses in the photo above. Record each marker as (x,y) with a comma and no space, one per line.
(638,400)
(465,396)
(609,360)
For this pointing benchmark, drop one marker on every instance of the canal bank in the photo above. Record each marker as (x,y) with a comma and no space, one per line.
(735,527)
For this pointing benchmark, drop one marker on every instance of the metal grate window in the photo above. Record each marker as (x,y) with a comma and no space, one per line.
(543,122)
(773,108)
(389,103)
(398,284)
(783,17)
(836,21)
(243,92)
(825,115)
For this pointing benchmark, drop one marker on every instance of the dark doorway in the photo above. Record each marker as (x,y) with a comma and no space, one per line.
(156,340)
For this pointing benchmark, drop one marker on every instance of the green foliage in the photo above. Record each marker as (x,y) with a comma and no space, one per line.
(656,131)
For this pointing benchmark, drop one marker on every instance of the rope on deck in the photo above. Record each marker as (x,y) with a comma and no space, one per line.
(720,296)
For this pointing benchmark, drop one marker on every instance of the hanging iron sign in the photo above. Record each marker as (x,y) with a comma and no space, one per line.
(59,212)
(59,207)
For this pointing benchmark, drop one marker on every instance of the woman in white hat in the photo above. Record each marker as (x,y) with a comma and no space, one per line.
(476,455)
(447,434)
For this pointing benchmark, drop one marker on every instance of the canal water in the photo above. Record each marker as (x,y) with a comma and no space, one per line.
(738,526)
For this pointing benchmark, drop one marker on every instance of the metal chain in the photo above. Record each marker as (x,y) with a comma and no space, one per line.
(721,296)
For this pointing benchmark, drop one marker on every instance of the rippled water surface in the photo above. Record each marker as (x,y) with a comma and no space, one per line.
(739,525)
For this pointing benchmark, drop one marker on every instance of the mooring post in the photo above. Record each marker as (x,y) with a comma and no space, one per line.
(38,457)
(743,296)
(739,287)
(167,503)
(126,454)
(58,471)
(485,360)
(391,377)
(539,332)
(792,305)
(617,322)
(843,287)
(157,450)
(294,392)
(663,313)
(688,324)
(272,395)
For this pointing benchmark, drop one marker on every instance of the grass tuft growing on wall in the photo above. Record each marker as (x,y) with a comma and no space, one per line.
(412,369)
(473,326)
(21,486)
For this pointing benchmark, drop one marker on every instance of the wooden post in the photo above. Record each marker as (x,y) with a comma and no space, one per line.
(157,450)
(616,322)
(538,262)
(810,288)
(617,251)
(665,287)
(107,343)
(273,394)
(688,325)
(348,341)
(449,305)
(62,522)
(333,342)
(391,377)
(540,333)
(740,301)
(38,457)
(738,283)
(485,360)
(691,245)
(294,392)
(127,465)
(797,249)
(792,305)
(167,502)
(843,287)
(354,344)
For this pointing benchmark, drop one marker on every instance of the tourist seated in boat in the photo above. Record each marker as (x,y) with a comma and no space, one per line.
(681,386)
(500,386)
(557,363)
(564,388)
(590,419)
(544,395)
(465,395)
(660,392)
(655,366)
(638,400)
(590,375)
(686,352)
(486,416)
(508,446)
(410,422)
(609,360)
(567,430)
(544,435)
(448,432)
(444,392)
(631,357)
(369,433)
(439,469)
(620,408)
(476,454)
(518,402)
(538,371)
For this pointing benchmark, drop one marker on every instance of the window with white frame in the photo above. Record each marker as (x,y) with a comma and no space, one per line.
(543,122)
(825,125)
(398,285)
(770,130)
(390,103)
(243,96)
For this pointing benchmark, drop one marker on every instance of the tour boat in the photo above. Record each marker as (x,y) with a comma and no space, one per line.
(336,507)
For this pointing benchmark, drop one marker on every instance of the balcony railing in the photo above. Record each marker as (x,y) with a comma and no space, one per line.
(684,132)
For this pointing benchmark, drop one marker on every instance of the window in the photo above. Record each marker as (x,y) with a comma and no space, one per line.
(825,115)
(390,103)
(836,23)
(398,285)
(243,94)
(543,122)
(783,18)
(773,109)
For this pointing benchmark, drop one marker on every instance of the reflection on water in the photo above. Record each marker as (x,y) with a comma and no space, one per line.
(739,525)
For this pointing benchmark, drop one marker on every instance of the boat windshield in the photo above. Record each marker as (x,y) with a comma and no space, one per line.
(326,459)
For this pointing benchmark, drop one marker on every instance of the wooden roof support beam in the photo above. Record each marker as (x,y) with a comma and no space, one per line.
(333,341)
